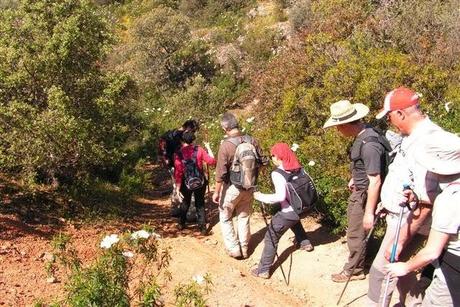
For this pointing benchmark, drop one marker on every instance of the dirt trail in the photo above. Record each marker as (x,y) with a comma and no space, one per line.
(23,276)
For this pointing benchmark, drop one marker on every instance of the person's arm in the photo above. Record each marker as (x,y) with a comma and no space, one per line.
(373,192)
(432,250)
(409,229)
(207,157)
(221,172)
(372,154)
(178,171)
(208,148)
(280,191)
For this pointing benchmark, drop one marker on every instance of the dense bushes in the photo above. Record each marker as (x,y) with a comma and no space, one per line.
(344,58)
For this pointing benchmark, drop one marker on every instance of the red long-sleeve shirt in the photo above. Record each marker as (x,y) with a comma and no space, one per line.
(187,152)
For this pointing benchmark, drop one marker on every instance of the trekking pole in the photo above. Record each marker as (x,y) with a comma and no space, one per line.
(362,251)
(273,243)
(393,251)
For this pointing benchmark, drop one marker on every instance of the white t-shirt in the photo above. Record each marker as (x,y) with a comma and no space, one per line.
(446,216)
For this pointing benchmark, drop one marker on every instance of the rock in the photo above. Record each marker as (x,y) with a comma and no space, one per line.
(48,257)
(51,280)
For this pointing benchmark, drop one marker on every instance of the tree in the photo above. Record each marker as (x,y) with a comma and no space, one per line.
(60,113)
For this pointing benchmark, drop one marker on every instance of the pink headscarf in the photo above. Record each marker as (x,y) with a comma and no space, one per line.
(283,152)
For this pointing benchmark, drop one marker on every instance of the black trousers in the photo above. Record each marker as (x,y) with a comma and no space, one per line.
(199,203)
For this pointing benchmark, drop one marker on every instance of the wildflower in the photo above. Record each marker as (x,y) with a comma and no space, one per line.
(198,279)
(311,163)
(140,234)
(250,119)
(108,241)
(159,109)
(128,254)
(295,146)
(446,106)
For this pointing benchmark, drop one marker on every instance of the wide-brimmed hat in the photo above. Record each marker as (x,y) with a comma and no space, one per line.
(344,111)
(440,153)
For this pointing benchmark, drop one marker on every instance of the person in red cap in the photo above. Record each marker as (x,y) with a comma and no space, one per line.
(367,166)
(286,161)
(440,156)
(402,108)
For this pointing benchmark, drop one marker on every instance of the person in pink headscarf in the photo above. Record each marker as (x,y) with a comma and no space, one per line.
(286,161)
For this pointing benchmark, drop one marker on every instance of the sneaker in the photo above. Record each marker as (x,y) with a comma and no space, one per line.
(343,276)
(307,247)
(255,272)
(235,254)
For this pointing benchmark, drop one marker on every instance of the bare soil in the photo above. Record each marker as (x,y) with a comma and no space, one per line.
(23,246)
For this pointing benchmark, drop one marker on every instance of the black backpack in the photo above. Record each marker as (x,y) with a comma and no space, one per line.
(389,154)
(193,178)
(302,191)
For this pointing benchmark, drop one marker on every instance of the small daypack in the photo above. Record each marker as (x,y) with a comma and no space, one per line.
(193,178)
(389,154)
(246,162)
(302,191)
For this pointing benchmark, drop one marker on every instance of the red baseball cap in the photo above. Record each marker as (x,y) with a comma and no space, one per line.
(398,99)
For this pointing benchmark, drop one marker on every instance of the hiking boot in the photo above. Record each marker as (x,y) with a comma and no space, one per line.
(255,272)
(235,253)
(343,276)
(307,247)
(203,230)
(244,252)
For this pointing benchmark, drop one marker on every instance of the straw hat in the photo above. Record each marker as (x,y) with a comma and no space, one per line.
(344,111)
(440,154)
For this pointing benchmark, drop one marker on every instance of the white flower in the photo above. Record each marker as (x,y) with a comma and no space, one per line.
(198,279)
(311,163)
(250,119)
(140,234)
(159,109)
(294,147)
(446,106)
(108,241)
(128,254)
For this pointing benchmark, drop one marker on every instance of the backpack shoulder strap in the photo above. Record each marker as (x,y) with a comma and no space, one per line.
(286,175)
(195,153)
(235,140)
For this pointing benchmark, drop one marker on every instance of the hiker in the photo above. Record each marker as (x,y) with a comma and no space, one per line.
(189,177)
(170,142)
(440,155)
(402,109)
(367,165)
(233,195)
(286,162)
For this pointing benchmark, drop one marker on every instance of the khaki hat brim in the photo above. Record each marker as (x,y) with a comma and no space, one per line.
(361,111)
(440,154)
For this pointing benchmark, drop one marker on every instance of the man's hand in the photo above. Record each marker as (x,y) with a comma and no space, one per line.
(351,184)
(216,197)
(389,250)
(368,221)
(397,269)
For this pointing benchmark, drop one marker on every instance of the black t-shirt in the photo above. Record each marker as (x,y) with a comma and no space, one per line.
(173,142)
(370,161)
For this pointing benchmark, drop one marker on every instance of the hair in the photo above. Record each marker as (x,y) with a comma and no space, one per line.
(191,125)
(228,121)
(188,137)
